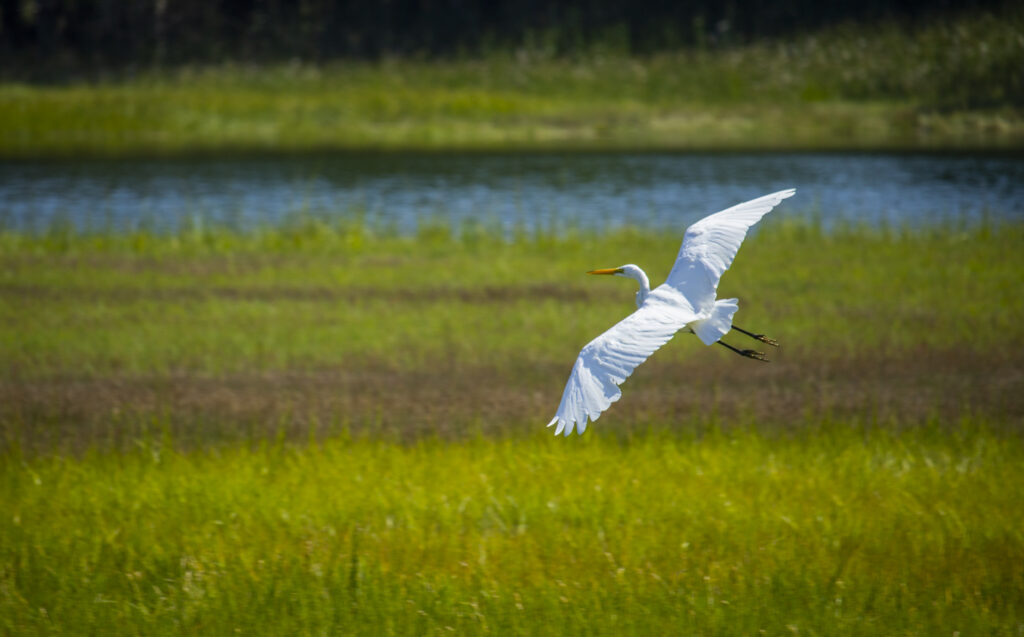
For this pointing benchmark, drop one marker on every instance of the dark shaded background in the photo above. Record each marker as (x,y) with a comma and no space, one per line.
(41,39)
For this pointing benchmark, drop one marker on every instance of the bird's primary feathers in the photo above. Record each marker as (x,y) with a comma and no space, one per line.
(685,300)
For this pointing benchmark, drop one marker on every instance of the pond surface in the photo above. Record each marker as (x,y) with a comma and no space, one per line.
(596,190)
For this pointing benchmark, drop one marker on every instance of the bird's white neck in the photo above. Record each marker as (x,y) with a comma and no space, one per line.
(645,289)
(634,272)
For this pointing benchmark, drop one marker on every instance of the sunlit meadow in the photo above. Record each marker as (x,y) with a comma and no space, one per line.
(330,428)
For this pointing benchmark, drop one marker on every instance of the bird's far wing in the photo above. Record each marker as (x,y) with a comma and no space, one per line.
(710,245)
(606,362)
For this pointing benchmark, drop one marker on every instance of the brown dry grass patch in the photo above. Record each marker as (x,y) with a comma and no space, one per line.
(453,401)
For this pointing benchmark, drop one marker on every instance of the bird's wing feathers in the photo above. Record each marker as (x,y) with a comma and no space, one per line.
(710,245)
(609,359)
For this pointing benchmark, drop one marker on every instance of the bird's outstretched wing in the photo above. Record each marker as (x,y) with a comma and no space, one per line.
(710,245)
(609,359)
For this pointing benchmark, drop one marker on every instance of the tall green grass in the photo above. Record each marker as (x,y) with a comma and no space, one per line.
(949,83)
(840,529)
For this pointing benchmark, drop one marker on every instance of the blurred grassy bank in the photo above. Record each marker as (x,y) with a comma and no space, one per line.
(948,84)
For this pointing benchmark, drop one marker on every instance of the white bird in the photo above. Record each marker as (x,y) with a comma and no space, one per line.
(685,300)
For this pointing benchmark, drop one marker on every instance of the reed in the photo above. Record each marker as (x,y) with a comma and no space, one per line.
(951,83)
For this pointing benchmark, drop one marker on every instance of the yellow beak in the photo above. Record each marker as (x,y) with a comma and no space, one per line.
(606,271)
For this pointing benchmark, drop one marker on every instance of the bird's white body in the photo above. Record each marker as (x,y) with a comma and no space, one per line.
(686,300)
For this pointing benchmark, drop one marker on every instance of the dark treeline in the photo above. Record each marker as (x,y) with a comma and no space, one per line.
(87,36)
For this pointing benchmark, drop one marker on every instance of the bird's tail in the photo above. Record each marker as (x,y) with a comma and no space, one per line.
(718,324)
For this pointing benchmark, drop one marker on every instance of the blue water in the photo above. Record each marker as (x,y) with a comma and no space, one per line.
(596,190)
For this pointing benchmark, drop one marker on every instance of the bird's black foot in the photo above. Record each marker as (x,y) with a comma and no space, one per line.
(766,340)
(758,337)
(759,356)
(749,353)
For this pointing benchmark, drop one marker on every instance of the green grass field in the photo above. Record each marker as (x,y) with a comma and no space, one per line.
(949,83)
(836,529)
(327,428)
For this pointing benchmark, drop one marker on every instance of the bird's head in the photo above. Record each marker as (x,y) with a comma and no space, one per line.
(629,270)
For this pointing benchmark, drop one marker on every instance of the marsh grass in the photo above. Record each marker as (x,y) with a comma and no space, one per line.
(841,528)
(947,83)
(320,326)
(295,289)
(328,427)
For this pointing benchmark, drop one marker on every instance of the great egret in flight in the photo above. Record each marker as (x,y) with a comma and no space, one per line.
(685,300)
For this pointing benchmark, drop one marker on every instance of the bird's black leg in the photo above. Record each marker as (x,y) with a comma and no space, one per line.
(757,337)
(749,353)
